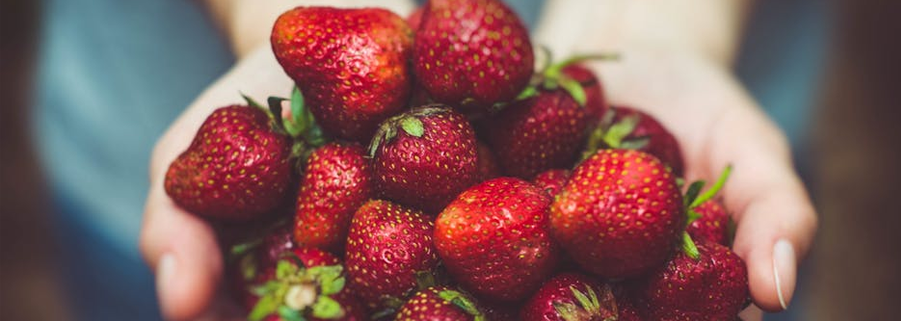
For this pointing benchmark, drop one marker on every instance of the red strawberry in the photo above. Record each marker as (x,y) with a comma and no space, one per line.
(552,181)
(440,304)
(626,311)
(620,214)
(537,134)
(494,240)
(595,101)
(712,223)
(569,297)
(309,285)
(387,246)
(236,169)
(628,128)
(351,64)
(472,53)
(487,167)
(425,157)
(710,284)
(414,20)
(337,180)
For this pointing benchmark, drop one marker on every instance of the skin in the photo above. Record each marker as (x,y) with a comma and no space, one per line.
(675,66)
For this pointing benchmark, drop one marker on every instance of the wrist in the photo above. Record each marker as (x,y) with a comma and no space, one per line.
(248,23)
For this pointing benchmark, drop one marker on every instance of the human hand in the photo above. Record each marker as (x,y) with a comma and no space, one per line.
(686,83)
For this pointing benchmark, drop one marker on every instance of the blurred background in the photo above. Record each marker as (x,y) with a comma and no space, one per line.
(829,72)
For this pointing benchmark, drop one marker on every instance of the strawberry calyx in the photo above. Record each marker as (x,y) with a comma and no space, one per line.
(590,306)
(608,134)
(298,291)
(694,198)
(297,122)
(551,77)
(410,122)
(463,303)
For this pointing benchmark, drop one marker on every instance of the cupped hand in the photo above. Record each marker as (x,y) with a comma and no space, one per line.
(181,247)
(717,123)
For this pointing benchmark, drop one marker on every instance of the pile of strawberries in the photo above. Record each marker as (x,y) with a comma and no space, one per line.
(423,169)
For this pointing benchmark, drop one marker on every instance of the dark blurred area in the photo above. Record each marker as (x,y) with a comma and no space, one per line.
(29,285)
(853,153)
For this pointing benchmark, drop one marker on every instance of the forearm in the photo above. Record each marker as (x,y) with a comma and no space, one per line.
(709,28)
(247,23)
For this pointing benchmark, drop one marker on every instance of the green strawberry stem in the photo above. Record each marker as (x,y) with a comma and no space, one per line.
(710,193)
(689,247)
(297,290)
(461,301)
(613,135)
(409,122)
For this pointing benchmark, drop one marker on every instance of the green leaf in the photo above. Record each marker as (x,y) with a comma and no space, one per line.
(331,286)
(689,246)
(575,90)
(251,102)
(327,308)
(620,130)
(527,93)
(412,126)
(284,269)
(692,192)
(584,301)
(289,314)
(693,215)
(265,306)
(635,144)
(710,193)
(266,288)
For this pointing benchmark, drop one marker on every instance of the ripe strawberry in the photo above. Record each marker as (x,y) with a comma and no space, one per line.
(337,180)
(308,284)
(569,297)
(709,284)
(494,239)
(539,133)
(552,180)
(487,166)
(387,246)
(351,64)
(414,20)
(620,214)
(712,223)
(425,157)
(595,100)
(440,304)
(628,128)
(237,167)
(472,53)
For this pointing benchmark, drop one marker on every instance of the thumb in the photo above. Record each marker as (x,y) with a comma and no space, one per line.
(182,250)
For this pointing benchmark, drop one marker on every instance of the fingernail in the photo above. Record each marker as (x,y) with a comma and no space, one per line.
(784,271)
(165,271)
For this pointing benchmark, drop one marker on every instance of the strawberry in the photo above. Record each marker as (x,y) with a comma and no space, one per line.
(425,157)
(387,247)
(440,304)
(620,213)
(494,240)
(626,310)
(712,224)
(351,64)
(709,282)
(628,128)
(336,181)
(595,100)
(237,167)
(414,20)
(487,165)
(539,133)
(307,284)
(552,180)
(568,297)
(472,53)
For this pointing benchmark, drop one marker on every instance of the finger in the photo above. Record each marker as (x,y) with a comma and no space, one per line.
(776,220)
(182,250)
